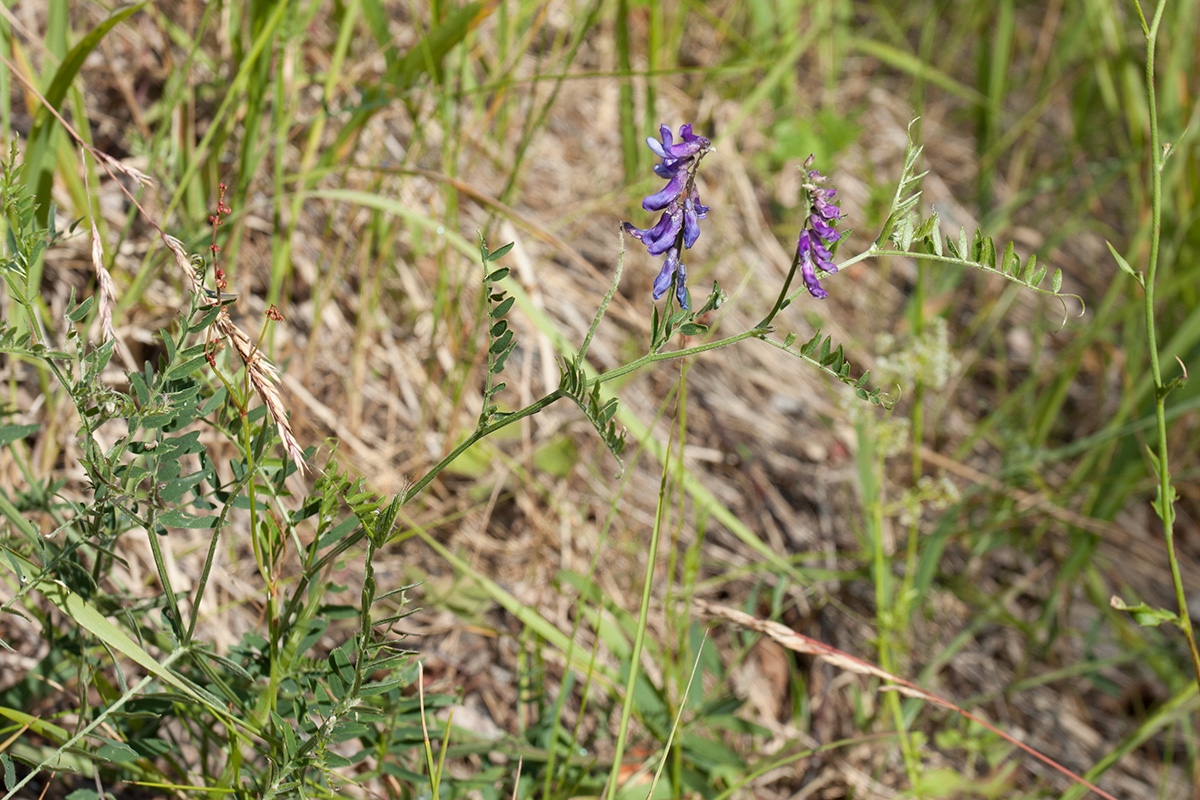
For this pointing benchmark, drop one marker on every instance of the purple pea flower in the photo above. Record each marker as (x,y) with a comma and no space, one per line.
(819,232)
(679,226)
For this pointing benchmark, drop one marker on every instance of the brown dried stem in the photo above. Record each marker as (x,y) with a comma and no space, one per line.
(800,643)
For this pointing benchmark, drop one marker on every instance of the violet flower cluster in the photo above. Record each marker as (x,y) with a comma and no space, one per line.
(679,226)
(819,233)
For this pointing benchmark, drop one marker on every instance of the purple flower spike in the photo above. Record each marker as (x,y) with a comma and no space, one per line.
(812,248)
(679,227)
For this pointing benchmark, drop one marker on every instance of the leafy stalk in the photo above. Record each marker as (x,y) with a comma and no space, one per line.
(1164,504)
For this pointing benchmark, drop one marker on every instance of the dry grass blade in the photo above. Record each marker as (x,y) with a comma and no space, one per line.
(803,644)
(135,174)
(264,375)
(108,290)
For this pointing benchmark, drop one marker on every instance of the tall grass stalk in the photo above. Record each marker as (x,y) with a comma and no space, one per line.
(639,639)
(888,624)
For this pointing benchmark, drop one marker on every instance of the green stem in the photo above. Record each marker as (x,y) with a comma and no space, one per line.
(639,638)
(650,358)
(1166,493)
(783,298)
(480,433)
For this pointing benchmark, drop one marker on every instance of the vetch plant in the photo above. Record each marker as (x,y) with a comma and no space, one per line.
(283,699)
